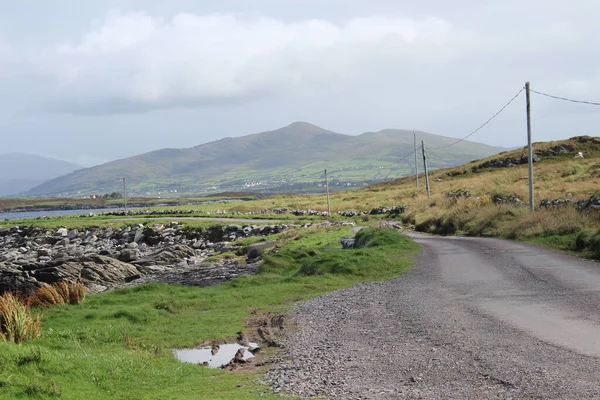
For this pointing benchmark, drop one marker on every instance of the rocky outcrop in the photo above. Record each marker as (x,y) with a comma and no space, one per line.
(512,199)
(105,258)
(591,204)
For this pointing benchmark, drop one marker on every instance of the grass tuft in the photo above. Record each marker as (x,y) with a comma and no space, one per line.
(46,296)
(17,323)
(60,293)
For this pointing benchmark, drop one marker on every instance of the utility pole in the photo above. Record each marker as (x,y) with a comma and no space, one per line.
(416,163)
(125,194)
(529,147)
(426,174)
(327,189)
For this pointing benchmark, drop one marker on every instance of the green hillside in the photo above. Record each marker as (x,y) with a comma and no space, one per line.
(290,159)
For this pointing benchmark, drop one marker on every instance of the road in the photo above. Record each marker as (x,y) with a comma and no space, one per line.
(476,318)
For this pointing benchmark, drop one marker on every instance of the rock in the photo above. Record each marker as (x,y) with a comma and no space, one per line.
(14,280)
(239,357)
(347,242)
(139,236)
(62,232)
(128,255)
(98,270)
(254,253)
(105,258)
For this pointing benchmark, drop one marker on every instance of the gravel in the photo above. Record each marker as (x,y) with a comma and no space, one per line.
(474,319)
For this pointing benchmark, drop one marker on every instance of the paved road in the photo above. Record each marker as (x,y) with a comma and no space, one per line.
(476,318)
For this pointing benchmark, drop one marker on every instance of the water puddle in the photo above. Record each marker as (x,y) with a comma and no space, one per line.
(216,356)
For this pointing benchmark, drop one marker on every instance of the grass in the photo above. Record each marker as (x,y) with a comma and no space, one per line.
(117,345)
(17,321)
(59,293)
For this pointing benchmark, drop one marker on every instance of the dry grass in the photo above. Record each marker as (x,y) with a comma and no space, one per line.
(57,294)
(71,292)
(17,323)
(45,296)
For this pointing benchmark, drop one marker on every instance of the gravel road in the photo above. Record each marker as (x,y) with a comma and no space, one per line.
(476,318)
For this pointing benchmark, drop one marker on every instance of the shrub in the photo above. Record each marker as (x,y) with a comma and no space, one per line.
(17,324)
(378,237)
(589,239)
(583,239)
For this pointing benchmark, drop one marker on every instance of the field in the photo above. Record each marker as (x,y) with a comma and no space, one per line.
(558,175)
(118,345)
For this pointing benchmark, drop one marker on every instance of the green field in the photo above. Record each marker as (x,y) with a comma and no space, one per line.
(118,345)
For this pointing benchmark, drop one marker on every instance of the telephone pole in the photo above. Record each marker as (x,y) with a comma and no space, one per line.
(426,174)
(416,163)
(125,194)
(529,147)
(327,189)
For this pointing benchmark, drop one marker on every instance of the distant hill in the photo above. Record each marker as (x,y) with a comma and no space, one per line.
(288,159)
(21,172)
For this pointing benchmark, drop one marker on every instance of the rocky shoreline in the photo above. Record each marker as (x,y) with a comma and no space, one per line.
(108,258)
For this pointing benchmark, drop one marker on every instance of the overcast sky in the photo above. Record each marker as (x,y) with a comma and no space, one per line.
(92,81)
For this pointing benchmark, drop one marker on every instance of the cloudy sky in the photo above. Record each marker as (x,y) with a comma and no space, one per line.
(98,80)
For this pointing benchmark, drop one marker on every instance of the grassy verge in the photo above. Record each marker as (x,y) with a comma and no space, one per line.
(118,345)
(564,229)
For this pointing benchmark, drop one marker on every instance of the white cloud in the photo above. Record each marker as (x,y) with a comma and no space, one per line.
(139,62)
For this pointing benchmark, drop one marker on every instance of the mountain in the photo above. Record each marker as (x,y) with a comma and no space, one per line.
(21,172)
(292,158)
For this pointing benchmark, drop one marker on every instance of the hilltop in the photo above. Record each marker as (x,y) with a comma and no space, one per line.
(21,172)
(290,159)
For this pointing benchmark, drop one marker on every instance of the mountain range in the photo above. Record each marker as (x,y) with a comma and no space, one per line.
(291,159)
(21,172)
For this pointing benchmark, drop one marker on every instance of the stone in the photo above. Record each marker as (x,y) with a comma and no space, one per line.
(139,236)
(128,255)
(62,232)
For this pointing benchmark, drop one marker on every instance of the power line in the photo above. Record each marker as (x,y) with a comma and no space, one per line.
(406,156)
(484,124)
(565,99)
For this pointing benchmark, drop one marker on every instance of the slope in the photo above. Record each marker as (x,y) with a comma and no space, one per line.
(281,159)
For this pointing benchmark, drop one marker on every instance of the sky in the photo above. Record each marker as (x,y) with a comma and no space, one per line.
(95,81)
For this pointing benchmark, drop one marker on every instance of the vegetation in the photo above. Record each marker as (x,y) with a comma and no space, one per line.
(118,345)
(57,294)
(290,158)
(17,322)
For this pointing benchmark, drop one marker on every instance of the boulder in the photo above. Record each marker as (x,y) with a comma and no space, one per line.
(93,271)
(128,255)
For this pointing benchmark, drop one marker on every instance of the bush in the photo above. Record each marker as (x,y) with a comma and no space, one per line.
(589,239)
(17,324)
(378,237)
(583,239)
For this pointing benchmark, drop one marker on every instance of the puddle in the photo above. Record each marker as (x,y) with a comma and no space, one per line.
(223,356)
